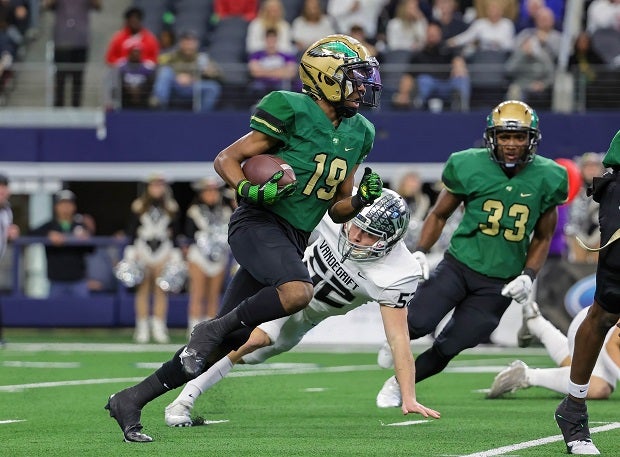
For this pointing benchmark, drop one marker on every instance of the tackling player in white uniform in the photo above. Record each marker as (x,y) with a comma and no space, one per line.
(560,348)
(361,261)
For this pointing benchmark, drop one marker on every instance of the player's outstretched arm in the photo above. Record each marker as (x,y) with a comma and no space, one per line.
(346,205)
(397,333)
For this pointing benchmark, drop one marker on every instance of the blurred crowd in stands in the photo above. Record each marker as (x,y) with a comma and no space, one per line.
(435,54)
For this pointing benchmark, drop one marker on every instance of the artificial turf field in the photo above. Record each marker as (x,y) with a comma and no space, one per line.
(301,404)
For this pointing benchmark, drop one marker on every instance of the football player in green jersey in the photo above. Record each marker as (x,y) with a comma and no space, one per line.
(510,196)
(572,414)
(320,134)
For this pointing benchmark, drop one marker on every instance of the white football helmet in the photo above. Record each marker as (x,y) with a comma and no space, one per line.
(387,218)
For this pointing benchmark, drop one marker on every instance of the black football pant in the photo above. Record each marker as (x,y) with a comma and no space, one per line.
(477,304)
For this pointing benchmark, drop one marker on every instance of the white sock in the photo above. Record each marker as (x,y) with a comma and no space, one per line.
(554,340)
(550,378)
(194,388)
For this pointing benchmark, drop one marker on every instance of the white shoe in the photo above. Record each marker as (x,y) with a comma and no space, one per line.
(177,414)
(160,330)
(141,333)
(530,310)
(389,395)
(582,447)
(384,357)
(510,379)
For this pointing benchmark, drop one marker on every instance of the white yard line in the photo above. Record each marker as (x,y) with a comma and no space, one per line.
(233,374)
(537,442)
(405,423)
(21,364)
(12,421)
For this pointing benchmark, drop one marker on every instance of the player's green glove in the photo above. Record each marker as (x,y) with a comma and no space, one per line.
(369,189)
(266,193)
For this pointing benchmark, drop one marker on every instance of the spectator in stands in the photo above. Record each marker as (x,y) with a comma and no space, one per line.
(8,230)
(16,15)
(66,264)
(584,59)
(410,188)
(492,32)
(185,73)
(270,16)
(583,212)
(167,40)
(136,79)
(151,231)
(543,33)
(71,38)
(364,13)
(133,32)
(246,9)
(271,69)
(603,14)
(451,20)
(358,32)
(123,41)
(206,229)
(407,30)
(311,25)
(531,70)
(448,76)
(510,8)
(529,9)
(7,57)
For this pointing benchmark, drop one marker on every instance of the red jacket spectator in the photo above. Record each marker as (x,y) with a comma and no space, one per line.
(244,8)
(129,36)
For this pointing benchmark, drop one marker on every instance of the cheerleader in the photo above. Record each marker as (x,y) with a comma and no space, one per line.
(154,217)
(208,254)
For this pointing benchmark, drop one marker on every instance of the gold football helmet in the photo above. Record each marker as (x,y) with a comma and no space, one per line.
(334,68)
(512,115)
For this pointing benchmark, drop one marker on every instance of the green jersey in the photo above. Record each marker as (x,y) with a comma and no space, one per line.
(500,212)
(321,155)
(612,158)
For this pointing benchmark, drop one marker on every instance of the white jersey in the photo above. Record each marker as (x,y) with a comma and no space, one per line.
(340,286)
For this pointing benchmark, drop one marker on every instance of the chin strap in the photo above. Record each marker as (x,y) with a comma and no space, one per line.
(344,111)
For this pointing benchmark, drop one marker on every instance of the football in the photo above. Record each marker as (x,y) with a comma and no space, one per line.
(259,169)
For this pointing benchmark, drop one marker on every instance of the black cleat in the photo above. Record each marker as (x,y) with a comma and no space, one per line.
(127,416)
(205,338)
(574,427)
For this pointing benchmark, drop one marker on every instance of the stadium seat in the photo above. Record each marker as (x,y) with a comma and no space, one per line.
(227,49)
(488,79)
(193,15)
(393,65)
(153,13)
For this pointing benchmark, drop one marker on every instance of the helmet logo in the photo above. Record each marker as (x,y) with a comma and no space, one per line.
(335,49)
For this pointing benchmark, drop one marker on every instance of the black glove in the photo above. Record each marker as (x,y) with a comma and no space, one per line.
(261,193)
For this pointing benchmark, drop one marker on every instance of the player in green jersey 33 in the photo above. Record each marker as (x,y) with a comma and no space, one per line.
(322,136)
(509,195)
